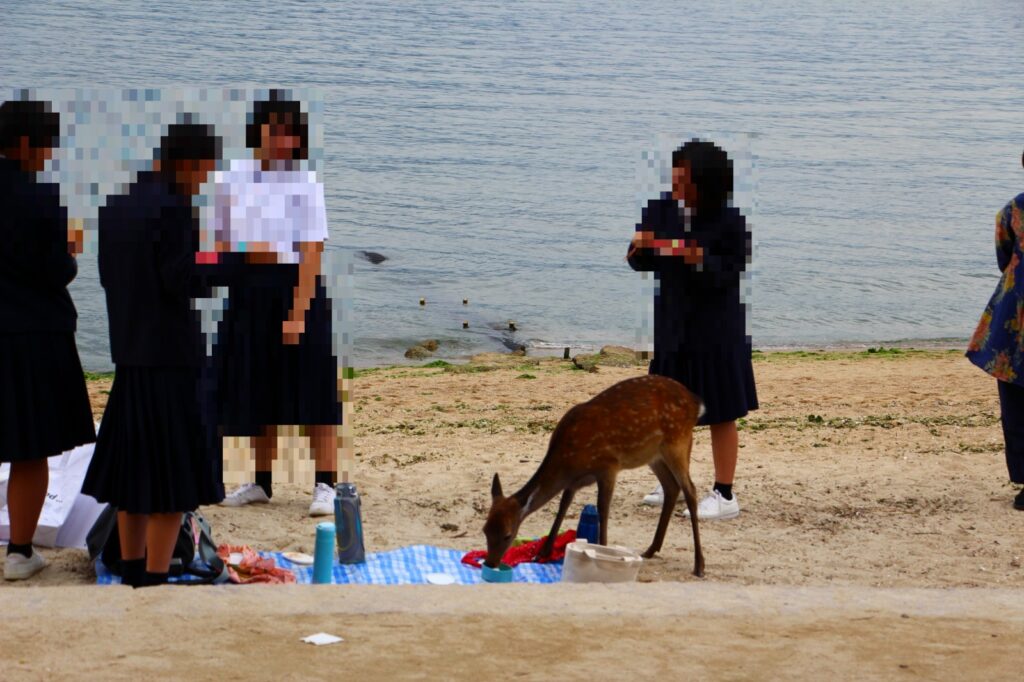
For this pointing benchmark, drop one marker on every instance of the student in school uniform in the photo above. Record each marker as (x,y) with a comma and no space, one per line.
(44,403)
(997,345)
(699,245)
(153,459)
(275,359)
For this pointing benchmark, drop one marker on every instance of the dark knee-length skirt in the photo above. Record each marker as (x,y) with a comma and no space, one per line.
(261,381)
(722,376)
(44,404)
(152,454)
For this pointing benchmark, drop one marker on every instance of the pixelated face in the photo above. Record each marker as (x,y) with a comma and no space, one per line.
(278,140)
(683,188)
(38,156)
(191,174)
(32,159)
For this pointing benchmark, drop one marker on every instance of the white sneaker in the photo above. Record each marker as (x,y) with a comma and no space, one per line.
(18,567)
(656,497)
(247,493)
(714,506)
(323,500)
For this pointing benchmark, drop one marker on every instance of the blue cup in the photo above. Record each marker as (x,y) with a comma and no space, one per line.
(502,574)
(323,556)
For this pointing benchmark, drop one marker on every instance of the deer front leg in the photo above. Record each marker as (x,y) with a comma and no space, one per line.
(563,507)
(671,490)
(605,489)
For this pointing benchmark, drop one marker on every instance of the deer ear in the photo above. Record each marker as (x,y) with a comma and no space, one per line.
(496,487)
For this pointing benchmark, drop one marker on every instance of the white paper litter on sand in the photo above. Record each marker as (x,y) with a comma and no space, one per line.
(322,638)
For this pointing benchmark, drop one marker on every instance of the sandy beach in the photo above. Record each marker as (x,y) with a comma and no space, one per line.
(878,473)
(859,469)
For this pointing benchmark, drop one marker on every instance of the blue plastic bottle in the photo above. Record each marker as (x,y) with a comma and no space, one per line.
(348,518)
(323,555)
(589,523)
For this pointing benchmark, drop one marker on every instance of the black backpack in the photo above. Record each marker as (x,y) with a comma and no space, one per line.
(194,547)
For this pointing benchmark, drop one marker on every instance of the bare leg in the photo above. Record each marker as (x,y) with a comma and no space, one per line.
(26,492)
(161,535)
(265,447)
(671,490)
(325,441)
(725,448)
(131,531)
(563,507)
(605,490)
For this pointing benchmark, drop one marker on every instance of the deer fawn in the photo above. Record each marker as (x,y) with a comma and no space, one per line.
(647,420)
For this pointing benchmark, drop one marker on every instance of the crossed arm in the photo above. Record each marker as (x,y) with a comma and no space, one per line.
(687,249)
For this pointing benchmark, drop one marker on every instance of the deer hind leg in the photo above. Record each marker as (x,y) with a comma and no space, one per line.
(563,507)
(605,490)
(677,459)
(671,487)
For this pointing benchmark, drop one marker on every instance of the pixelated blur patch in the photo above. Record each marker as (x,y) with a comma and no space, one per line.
(102,141)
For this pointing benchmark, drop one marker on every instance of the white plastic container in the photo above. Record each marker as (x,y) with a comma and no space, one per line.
(586,563)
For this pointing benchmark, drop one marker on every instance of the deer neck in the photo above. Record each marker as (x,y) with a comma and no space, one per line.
(533,496)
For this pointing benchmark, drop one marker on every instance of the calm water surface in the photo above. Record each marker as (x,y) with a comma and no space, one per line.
(491,150)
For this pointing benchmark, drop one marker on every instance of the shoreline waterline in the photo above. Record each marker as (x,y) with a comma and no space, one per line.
(938,345)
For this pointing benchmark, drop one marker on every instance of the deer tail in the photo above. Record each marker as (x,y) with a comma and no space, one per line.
(700,408)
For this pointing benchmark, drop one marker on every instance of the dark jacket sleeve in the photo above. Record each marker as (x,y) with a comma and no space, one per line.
(38,255)
(727,251)
(175,252)
(726,244)
(653,219)
(105,223)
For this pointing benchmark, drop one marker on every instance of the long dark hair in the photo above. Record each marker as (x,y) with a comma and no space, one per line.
(710,172)
(287,111)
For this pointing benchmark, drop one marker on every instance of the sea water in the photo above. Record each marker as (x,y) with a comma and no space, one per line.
(490,150)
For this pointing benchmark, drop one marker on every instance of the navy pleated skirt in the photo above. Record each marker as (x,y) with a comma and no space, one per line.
(44,404)
(722,376)
(260,380)
(152,454)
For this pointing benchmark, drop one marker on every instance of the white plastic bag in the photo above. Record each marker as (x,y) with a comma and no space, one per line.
(67,514)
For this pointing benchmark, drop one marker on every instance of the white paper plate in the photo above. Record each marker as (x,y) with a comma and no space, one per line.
(439,579)
(300,558)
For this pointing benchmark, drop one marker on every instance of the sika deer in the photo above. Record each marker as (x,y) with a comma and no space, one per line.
(648,420)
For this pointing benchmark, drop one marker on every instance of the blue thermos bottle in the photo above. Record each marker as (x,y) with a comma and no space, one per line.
(589,522)
(323,555)
(348,519)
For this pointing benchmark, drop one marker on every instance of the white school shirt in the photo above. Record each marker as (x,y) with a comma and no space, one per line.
(282,207)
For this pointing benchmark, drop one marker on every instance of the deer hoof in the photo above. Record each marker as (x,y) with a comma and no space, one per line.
(649,553)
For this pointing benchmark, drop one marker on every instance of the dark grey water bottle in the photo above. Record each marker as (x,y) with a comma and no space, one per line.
(348,520)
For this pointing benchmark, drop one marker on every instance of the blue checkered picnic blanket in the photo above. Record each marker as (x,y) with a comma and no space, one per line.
(404,566)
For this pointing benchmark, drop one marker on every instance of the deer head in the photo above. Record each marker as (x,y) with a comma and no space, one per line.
(502,523)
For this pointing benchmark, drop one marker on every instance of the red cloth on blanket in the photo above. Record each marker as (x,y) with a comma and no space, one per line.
(526,552)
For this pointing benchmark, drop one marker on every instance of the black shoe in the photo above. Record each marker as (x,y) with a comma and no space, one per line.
(1018,502)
